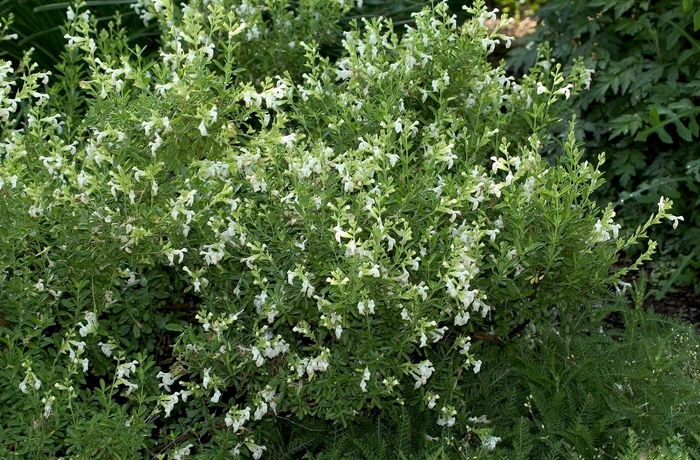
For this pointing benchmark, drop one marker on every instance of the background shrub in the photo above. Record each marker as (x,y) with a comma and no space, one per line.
(641,108)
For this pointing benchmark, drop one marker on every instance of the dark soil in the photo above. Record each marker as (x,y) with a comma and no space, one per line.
(683,304)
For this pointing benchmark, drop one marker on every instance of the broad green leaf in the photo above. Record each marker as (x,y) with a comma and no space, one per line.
(664,136)
(174,327)
(685,54)
(683,132)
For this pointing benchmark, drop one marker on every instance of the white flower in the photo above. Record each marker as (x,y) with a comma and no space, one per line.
(203,129)
(566,91)
(433,400)
(361,307)
(90,327)
(207,378)
(168,403)
(288,140)
(48,405)
(124,370)
(423,372)
(183,452)
(256,450)
(242,416)
(675,220)
(423,340)
(490,442)
(365,377)
(477,366)
(217,395)
(461,318)
(340,233)
(130,386)
(167,380)
(447,417)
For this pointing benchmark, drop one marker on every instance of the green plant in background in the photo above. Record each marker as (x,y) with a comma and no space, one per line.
(205,253)
(642,107)
(579,395)
(602,392)
(37,24)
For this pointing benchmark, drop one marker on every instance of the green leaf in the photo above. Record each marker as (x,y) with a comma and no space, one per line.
(685,55)
(664,136)
(687,5)
(622,7)
(696,21)
(174,327)
(693,126)
(654,115)
(683,131)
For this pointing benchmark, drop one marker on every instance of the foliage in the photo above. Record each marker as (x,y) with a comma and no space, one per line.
(603,392)
(37,24)
(200,253)
(642,107)
(582,394)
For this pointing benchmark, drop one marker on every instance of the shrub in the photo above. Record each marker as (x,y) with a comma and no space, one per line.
(37,24)
(641,108)
(622,384)
(203,254)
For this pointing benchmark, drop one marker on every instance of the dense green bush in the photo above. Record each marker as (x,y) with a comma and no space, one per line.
(200,254)
(37,24)
(641,109)
(601,392)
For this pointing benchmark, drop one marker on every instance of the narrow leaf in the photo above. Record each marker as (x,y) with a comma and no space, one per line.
(683,131)
(663,135)
(654,115)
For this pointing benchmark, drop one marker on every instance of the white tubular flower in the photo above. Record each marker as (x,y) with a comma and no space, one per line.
(566,91)
(256,450)
(168,402)
(461,318)
(237,418)
(365,377)
(48,405)
(183,452)
(490,442)
(106,349)
(422,373)
(432,400)
(675,220)
(447,417)
(203,129)
(167,380)
(207,378)
(124,370)
(90,327)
